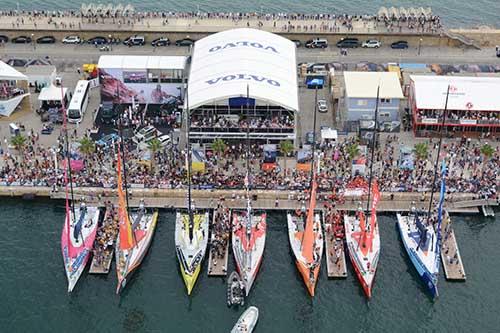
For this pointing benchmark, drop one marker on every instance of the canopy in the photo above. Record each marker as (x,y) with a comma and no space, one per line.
(226,63)
(466,93)
(9,73)
(329,134)
(51,93)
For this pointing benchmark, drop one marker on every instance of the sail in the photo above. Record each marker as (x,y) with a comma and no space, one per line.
(126,238)
(440,205)
(308,240)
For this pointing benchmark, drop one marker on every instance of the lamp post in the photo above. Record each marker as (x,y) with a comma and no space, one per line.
(110,42)
(33,41)
(419,45)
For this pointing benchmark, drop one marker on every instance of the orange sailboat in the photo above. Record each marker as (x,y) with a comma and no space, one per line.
(306,239)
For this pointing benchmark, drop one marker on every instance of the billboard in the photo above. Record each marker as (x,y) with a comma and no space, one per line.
(119,86)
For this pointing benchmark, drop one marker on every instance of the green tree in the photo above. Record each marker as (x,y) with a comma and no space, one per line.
(154,146)
(422,150)
(19,142)
(87,146)
(219,147)
(286,147)
(487,150)
(353,150)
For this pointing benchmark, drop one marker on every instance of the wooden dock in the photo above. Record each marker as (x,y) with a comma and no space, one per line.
(335,253)
(217,261)
(104,266)
(450,255)
(103,254)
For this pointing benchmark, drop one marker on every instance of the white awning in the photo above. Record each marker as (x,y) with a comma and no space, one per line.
(226,63)
(52,93)
(141,62)
(329,134)
(466,93)
(364,85)
(9,73)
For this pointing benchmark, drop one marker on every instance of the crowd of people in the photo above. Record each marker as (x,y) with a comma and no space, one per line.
(484,117)
(221,229)
(106,236)
(283,121)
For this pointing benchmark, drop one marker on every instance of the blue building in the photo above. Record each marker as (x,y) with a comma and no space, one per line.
(361,96)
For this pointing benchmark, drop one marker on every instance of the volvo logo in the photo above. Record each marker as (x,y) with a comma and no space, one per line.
(246,77)
(243,43)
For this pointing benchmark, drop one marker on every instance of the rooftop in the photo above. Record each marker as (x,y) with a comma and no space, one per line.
(365,84)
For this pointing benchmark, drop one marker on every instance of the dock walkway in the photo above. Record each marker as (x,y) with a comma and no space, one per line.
(450,255)
(104,245)
(335,253)
(219,242)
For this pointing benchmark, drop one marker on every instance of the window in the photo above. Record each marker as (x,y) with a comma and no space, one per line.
(385,100)
(362,102)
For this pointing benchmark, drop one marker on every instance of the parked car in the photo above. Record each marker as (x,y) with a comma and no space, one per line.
(21,40)
(371,44)
(297,42)
(497,49)
(4,39)
(317,43)
(322,106)
(348,43)
(402,44)
(135,40)
(108,113)
(46,40)
(316,68)
(165,140)
(107,140)
(71,40)
(145,134)
(184,42)
(98,40)
(162,41)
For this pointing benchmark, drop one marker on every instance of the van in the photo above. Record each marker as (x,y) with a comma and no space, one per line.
(135,40)
(317,43)
(144,134)
(348,43)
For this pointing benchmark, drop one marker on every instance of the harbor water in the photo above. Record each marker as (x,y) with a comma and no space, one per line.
(454,13)
(34,297)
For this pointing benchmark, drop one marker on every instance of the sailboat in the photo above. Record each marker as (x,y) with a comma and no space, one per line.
(135,234)
(80,225)
(249,230)
(191,231)
(420,239)
(362,233)
(307,240)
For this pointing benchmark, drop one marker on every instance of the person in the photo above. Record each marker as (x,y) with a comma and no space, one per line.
(159,96)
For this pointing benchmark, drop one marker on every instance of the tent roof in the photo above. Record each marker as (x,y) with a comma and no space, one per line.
(226,63)
(364,84)
(9,73)
(51,93)
(329,133)
(141,62)
(466,93)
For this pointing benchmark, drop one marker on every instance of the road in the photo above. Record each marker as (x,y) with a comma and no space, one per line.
(71,56)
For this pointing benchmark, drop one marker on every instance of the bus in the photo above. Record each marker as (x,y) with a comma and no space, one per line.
(79,102)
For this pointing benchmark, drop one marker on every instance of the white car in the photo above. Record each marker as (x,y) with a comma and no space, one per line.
(322,106)
(371,44)
(165,140)
(144,134)
(71,40)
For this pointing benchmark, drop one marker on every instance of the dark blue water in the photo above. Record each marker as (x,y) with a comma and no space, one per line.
(454,12)
(34,299)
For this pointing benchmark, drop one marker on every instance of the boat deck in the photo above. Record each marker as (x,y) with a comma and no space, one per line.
(450,255)
(335,254)
(217,264)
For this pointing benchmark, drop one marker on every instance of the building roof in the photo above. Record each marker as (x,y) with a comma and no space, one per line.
(365,84)
(141,62)
(52,93)
(226,63)
(466,93)
(9,73)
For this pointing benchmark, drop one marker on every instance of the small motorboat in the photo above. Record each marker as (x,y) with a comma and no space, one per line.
(235,290)
(247,321)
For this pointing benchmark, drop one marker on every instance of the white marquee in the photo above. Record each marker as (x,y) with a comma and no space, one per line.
(224,64)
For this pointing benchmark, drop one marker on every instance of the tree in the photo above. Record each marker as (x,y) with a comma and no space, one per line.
(286,147)
(19,142)
(353,150)
(219,147)
(87,146)
(487,150)
(154,146)
(422,150)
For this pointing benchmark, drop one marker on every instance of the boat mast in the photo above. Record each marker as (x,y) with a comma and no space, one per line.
(188,124)
(249,208)
(441,129)
(122,148)
(374,141)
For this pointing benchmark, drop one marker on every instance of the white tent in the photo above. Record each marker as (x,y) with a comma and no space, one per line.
(226,63)
(9,73)
(329,134)
(52,93)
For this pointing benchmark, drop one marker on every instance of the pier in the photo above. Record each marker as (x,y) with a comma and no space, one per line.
(450,255)
(335,250)
(220,237)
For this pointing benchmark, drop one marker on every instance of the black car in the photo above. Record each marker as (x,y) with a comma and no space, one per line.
(4,39)
(184,42)
(21,40)
(46,40)
(98,40)
(402,44)
(162,41)
(297,42)
(108,113)
(348,43)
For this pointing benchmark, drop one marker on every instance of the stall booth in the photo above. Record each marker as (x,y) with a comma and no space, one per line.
(14,93)
(51,99)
